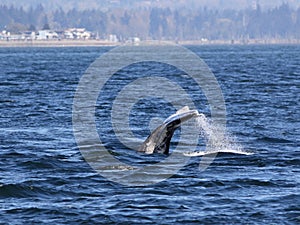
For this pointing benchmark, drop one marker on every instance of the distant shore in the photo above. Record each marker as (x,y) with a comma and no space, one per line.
(55,43)
(95,43)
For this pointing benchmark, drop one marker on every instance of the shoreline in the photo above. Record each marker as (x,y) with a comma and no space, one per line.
(103,43)
(56,43)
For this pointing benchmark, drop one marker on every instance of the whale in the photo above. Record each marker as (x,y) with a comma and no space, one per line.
(159,140)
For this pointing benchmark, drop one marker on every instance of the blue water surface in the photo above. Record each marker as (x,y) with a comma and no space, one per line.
(45,179)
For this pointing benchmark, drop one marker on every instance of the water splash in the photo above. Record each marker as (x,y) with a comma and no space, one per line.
(217,141)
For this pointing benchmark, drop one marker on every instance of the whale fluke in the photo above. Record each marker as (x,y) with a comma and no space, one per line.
(159,140)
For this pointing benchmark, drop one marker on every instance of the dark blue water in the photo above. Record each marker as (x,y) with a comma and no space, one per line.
(45,179)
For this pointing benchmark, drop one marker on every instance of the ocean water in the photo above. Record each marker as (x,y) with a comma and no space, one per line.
(44,178)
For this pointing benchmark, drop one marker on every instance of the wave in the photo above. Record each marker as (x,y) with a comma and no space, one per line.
(231,151)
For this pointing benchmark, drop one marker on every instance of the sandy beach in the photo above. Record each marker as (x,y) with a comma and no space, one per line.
(55,43)
(79,43)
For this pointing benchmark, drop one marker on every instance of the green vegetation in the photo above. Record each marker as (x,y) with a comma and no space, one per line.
(160,22)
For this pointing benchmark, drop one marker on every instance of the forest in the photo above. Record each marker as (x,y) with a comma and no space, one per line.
(160,23)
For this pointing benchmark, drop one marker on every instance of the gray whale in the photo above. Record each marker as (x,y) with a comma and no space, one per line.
(159,140)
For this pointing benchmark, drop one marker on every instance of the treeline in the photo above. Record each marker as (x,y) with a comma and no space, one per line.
(161,23)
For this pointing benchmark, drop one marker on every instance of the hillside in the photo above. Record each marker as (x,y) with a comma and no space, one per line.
(189,4)
(160,23)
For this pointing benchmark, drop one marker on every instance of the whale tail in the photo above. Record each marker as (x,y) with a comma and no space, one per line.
(159,140)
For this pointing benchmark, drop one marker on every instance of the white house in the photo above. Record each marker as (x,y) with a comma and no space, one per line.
(77,33)
(68,34)
(46,35)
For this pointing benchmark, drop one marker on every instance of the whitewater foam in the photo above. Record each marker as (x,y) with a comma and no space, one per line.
(202,153)
(217,141)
